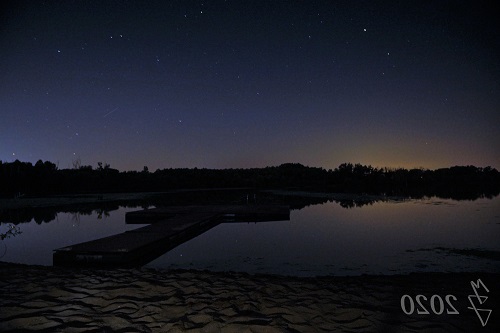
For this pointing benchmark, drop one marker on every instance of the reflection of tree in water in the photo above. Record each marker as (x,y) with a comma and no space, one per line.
(25,215)
(102,213)
(300,202)
(75,218)
(47,214)
(45,217)
(356,203)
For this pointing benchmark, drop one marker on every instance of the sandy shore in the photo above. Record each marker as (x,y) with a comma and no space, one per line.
(53,299)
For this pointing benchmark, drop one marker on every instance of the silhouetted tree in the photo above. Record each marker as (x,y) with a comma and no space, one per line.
(459,182)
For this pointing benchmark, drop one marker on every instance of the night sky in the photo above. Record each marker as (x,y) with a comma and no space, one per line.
(240,84)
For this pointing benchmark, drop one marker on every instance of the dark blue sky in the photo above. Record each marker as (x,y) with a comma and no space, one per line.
(221,84)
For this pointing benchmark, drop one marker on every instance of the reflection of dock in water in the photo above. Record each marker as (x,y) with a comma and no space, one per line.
(168,227)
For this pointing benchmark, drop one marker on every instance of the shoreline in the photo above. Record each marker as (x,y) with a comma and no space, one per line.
(64,200)
(61,200)
(70,199)
(45,298)
(101,198)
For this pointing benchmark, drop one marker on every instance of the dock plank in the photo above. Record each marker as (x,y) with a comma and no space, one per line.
(169,227)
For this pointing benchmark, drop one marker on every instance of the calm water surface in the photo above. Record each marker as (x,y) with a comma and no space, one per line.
(382,238)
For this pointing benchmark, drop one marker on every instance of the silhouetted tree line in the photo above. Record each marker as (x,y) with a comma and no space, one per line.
(44,178)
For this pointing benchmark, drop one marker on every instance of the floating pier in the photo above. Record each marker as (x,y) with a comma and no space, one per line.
(168,227)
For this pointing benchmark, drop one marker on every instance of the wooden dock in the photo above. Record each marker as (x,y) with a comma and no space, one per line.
(168,227)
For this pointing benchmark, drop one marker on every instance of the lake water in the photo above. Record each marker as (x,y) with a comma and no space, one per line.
(388,237)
